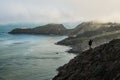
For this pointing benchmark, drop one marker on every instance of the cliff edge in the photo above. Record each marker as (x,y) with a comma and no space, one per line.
(100,63)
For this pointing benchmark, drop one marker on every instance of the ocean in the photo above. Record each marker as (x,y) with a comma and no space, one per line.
(30,57)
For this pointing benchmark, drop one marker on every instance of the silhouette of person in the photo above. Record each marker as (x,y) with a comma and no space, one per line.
(90,43)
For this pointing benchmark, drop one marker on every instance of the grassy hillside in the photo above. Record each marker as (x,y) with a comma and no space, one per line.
(103,34)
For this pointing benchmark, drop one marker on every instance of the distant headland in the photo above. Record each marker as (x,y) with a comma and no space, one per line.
(56,29)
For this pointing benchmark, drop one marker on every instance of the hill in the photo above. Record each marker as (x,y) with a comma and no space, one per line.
(91,26)
(103,32)
(57,29)
(100,63)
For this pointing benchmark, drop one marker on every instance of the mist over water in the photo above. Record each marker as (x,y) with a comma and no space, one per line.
(31,57)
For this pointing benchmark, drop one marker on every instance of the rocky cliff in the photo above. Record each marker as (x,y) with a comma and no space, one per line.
(100,63)
(57,29)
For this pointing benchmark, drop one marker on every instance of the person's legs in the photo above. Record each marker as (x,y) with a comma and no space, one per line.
(90,47)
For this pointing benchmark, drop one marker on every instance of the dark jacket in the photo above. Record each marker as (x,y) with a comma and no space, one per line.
(90,42)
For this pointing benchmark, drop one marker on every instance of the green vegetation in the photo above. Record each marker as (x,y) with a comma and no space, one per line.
(106,34)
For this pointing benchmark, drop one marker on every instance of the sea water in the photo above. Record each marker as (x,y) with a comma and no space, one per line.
(31,57)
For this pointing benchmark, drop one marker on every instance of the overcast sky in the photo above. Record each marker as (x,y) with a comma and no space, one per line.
(18,11)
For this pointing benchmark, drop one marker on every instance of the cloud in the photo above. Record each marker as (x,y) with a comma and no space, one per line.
(58,10)
(97,9)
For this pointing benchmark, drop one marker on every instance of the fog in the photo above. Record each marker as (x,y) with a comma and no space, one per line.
(58,11)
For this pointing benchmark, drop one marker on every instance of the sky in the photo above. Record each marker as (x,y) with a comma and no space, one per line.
(59,11)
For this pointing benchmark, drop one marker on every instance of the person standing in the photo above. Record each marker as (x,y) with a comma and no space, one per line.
(90,43)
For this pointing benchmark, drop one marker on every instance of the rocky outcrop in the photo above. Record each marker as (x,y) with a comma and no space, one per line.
(56,29)
(21,31)
(100,63)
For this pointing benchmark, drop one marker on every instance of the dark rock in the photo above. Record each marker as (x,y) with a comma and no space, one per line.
(21,31)
(100,63)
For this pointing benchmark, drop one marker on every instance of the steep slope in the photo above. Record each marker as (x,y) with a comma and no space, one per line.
(100,63)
